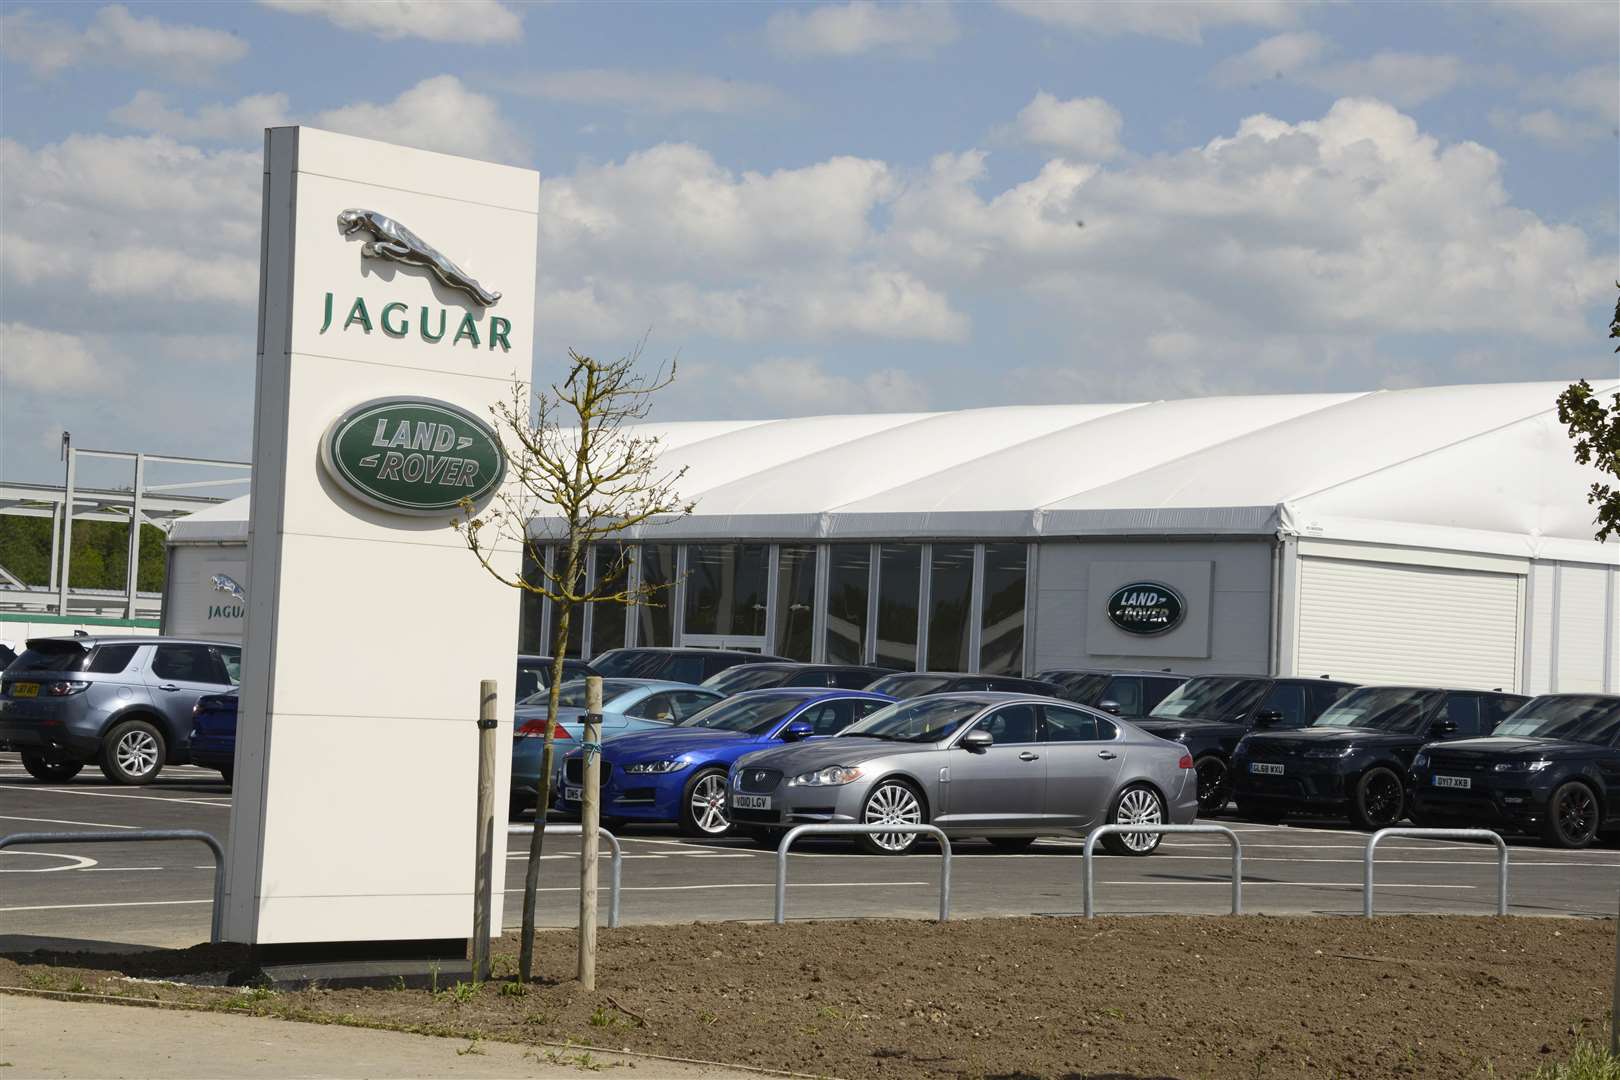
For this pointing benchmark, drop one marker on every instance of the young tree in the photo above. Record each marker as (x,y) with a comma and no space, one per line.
(1596,431)
(579,473)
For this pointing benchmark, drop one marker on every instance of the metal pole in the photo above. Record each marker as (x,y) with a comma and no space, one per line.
(615,863)
(589,820)
(67,533)
(484,862)
(797,831)
(1614,1002)
(56,543)
(133,577)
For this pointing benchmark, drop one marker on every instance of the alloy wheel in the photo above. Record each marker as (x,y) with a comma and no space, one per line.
(708,804)
(893,804)
(1577,813)
(1383,798)
(1211,784)
(1139,806)
(137,752)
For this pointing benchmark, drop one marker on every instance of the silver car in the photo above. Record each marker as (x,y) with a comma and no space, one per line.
(1007,767)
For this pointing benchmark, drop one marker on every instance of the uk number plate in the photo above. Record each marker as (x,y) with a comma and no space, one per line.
(751,802)
(25,689)
(573,794)
(1453,781)
(1265,768)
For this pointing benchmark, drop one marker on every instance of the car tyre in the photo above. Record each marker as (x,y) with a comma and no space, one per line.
(1378,799)
(891,802)
(1009,845)
(1214,784)
(703,805)
(1137,804)
(50,770)
(132,753)
(226,772)
(1571,820)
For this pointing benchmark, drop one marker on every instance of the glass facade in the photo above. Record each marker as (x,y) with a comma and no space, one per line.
(795,601)
(848,579)
(612,575)
(1001,648)
(655,618)
(725,589)
(950,607)
(899,579)
(532,636)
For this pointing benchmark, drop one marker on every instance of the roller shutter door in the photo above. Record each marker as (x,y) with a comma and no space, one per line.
(1382,623)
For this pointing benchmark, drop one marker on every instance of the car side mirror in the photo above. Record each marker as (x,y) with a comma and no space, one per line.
(977,741)
(1109,707)
(1445,728)
(799,729)
(1268,718)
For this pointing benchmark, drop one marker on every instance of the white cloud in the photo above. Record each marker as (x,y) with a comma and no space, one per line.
(650,92)
(1595,90)
(1551,128)
(119,38)
(47,362)
(862,26)
(796,386)
(1083,127)
(1175,20)
(237,121)
(439,113)
(1276,56)
(471,22)
(1405,79)
(1590,25)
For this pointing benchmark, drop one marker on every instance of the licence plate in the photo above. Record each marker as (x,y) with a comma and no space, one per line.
(25,689)
(573,794)
(1453,781)
(1265,768)
(751,802)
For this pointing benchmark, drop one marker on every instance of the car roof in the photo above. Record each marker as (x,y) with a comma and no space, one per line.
(695,650)
(1314,680)
(1160,672)
(810,693)
(653,684)
(88,640)
(1442,689)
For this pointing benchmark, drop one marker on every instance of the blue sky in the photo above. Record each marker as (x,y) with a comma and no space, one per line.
(842,207)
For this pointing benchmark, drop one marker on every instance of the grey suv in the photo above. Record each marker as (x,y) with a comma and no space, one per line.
(122,702)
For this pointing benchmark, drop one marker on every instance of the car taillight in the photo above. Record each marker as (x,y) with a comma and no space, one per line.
(1185,762)
(536,729)
(65,687)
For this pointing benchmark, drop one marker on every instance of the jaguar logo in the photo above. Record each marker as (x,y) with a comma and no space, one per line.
(393,241)
(226,584)
(759,777)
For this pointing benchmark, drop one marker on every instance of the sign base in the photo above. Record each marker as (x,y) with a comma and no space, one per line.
(431,964)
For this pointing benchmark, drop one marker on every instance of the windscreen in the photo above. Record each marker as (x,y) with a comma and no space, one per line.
(1586,718)
(50,656)
(1398,710)
(629,663)
(1084,689)
(751,715)
(747,677)
(572,694)
(909,686)
(1211,698)
(920,720)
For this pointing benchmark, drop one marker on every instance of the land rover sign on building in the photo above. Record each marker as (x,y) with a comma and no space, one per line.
(413,455)
(1145,607)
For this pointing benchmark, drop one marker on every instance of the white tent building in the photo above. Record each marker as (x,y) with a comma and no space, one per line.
(1437,535)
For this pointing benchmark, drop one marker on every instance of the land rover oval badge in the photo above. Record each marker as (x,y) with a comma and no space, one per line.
(413,455)
(1145,607)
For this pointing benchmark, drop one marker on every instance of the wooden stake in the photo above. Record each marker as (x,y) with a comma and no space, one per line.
(484,863)
(590,817)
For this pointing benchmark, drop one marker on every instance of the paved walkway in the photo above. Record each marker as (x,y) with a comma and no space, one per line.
(40,1037)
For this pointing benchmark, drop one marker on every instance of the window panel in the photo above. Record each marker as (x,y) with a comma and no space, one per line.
(607,618)
(847,578)
(725,588)
(532,637)
(795,601)
(655,617)
(1002,643)
(950,596)
(899,578)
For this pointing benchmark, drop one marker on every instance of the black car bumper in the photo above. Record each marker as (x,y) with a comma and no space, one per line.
(1302,783)
(1509,804)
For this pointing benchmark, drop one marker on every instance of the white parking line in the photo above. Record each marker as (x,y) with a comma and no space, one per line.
(59,821)
(122,903)
(1514,863)
(115,795)
(758,885)
(1247,882)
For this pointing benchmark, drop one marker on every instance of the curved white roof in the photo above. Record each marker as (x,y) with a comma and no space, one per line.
(1478,468)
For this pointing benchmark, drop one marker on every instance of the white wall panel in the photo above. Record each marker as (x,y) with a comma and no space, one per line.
(1541,587)
(1583,600)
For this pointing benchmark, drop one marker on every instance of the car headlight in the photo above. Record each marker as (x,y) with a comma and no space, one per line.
(1331,752)
(831,776)
(1522,766)
(1421,761)
(663,765)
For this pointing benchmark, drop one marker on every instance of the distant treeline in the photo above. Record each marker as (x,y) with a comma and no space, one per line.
(100,553)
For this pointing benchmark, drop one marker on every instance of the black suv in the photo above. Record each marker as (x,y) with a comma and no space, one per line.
(1131,694)
(1551,768)
(910,684)
(1354,759)
(674,664)
(769,676)
(1208,714)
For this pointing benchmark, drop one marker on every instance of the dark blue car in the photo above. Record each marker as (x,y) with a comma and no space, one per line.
(678,773)
(213,733)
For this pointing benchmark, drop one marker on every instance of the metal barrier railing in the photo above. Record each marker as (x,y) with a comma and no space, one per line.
(863,830)
(615,873)
(1088,878)
(1436,834)
(216,921)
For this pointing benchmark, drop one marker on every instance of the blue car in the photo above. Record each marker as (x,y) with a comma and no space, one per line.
(213,733)
(627,705)
(678,773)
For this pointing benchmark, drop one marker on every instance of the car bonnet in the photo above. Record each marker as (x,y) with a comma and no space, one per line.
(796,758)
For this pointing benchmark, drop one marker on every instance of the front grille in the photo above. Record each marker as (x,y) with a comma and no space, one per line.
(1448,763)
(574,770)
(759,780)
(736,813)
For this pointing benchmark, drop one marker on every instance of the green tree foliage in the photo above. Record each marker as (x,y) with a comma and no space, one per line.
(100,553)
(1596,431)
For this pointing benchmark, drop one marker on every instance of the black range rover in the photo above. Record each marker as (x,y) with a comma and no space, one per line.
(1551,768)
(1354,759)
(1208,714)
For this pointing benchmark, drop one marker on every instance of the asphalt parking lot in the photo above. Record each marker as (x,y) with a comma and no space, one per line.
(159,894)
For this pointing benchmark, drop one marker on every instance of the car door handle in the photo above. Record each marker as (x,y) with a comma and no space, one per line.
(168,686)
(1027,756)
(1107,755)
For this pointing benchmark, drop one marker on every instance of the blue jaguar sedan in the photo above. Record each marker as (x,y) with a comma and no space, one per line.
(678,773)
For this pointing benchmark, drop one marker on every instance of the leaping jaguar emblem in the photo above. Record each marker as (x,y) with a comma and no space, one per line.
(391,240)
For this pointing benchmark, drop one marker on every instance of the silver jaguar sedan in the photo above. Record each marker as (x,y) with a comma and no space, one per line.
(1006,767)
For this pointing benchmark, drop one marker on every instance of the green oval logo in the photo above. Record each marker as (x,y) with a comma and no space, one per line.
(413,455)
(1145,607)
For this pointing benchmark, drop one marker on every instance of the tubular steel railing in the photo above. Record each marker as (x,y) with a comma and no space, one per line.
(615,873)
(1088,878)
(1436,834)
(153,835)
(863,830)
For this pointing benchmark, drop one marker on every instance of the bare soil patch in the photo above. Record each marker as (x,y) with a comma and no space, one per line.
(1033,999)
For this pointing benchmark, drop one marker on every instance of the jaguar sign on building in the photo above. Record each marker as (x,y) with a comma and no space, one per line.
(380,353)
